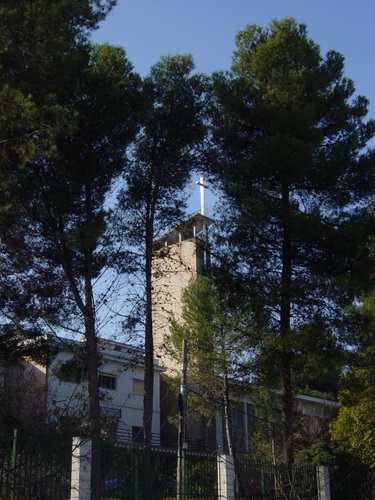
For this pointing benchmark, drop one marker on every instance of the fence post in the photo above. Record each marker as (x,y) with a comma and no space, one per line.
(225,477)
(324,490)
(80,488)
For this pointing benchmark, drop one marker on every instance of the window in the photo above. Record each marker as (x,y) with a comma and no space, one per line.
(107,381)
(138,386)
(111,412)
(137,434)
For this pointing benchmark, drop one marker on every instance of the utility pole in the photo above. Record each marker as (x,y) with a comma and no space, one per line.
(182,399)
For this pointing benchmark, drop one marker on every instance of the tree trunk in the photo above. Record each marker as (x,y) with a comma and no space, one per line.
(287,408)
(94,407)
(229,435)
(92,357)
(149,365)
(87,310)
(227,416)
(285,361)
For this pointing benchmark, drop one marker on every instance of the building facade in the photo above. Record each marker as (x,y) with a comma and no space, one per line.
(180,255)
(56,393)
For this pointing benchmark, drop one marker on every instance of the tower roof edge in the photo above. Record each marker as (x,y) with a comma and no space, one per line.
(188,228)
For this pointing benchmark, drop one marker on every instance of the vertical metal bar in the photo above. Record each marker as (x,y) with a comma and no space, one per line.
(182,427)
(262,481)
(183,463)
(137,475)
(14,462)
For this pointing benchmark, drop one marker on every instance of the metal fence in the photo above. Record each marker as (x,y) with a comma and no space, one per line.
(262,480)
(123,479)
(38,467)
(35,467)
(122,476)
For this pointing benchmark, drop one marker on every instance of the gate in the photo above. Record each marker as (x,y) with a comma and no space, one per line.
(122,473)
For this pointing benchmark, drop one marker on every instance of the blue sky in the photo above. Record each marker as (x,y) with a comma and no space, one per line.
(148,29)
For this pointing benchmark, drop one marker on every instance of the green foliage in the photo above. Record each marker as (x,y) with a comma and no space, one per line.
(355,424)
(318,361)
(160,162)
(163,155)
(60,223)
(290,157)
(42,44)
(74,369)
(218,342)
(58,167)
(319,452)
(353,430)
(15,346)
(61,100)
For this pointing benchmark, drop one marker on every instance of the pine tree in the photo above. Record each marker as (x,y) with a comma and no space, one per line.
(160,164)
(58,237)
(290,154)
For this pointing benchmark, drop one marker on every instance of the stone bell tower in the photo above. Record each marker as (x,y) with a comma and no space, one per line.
(179,255)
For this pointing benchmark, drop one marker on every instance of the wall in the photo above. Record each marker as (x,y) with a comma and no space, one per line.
(70,398)
(174,266)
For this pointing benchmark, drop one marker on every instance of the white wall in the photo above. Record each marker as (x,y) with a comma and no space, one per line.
(72,397)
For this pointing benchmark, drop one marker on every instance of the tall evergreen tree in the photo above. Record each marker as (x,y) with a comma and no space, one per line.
(160,164)
(43,47)
(60,199)
(290,154)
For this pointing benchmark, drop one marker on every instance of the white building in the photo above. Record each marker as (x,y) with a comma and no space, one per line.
(56,392)
(120,376)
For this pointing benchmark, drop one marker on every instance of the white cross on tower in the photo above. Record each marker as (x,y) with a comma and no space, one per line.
(202,186)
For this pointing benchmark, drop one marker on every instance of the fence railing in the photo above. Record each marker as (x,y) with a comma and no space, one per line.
(35,466)
(39,467)
(122,465)
(260,479)
(171,441)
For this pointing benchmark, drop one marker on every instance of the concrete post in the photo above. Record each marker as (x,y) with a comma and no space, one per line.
(80,487)
(225,477)
(324,490)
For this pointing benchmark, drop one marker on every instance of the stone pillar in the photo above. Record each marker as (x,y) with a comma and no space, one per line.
(324,490)
(225,477)
(80,486)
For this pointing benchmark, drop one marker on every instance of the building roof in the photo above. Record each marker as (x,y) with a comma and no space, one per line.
(111,350)
(186,230)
